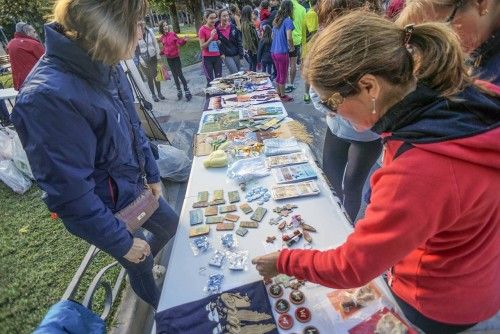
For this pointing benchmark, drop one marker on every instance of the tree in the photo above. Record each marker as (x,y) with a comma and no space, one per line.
(34,12)
(195,7)
(164,6)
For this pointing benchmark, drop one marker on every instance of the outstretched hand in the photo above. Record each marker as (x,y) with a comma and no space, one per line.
(266,265)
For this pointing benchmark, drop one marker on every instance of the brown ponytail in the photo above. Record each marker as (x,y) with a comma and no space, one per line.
(362,43)
(441,62)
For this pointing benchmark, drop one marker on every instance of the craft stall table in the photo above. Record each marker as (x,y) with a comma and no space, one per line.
(187,274)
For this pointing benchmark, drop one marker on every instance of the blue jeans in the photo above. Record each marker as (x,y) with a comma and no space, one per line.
(162,224)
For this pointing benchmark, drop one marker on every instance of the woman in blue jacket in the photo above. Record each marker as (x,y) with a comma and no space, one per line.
(77,122)
(230,39)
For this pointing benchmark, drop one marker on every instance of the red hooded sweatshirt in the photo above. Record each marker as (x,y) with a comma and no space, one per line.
(24,53)
(171,43)
(434,215)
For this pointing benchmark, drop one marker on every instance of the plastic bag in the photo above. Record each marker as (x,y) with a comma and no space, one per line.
(173,163)
(13,178)
(245,170)
(12,149)
(6,145)
(19,155)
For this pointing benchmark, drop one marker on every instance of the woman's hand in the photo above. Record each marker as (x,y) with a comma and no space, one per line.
(156,189)
(213,32)
(138,252)
(266,265)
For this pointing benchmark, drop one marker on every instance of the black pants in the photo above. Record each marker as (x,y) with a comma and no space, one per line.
(252,61)
(212,66)
(151,70)
(267,67)
(350,162)
(176,69)
(428,325)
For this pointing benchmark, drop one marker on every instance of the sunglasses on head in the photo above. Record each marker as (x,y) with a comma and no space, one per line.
(458,4)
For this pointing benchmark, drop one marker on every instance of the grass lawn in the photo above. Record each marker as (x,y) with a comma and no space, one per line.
(6,80)
(189,51)
(38,259)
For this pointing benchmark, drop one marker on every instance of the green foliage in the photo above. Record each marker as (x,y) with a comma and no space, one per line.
(160,6)
(38,259)
(34,12)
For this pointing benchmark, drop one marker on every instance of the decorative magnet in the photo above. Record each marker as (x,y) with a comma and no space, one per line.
(282,306)
(285,321)
(297,297)
(276,291)
(303,314)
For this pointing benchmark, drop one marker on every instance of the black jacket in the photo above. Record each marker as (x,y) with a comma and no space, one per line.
(231,46)
(264,52)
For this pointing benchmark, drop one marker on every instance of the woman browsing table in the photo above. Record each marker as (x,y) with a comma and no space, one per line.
(435,211)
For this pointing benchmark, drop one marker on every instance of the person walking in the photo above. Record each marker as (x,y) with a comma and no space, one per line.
(264,52)
(299,12)
(24,51)
(429,221)
(149,53)
(231,46)
(250,38)
(282,45)
(171,43)
(77,122)
(309,28)
(209,44)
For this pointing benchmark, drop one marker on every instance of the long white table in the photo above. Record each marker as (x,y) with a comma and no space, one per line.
(321,211)
(187,274)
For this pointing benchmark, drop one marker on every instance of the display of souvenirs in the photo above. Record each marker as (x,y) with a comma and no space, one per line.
(232,86)
(383,322)
(307,188)
(263,111)
(219,121)
(286,160)
(295,173)
(278,146)
(238,100)
(349,301)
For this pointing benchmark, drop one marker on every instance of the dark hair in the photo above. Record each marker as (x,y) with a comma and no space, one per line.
(233,9)
(313,2)
(264,4)
(222,11)
(246,14)
(267,35)
(208,12)
(286,10)
(329,10)
(160,26)
(362,42)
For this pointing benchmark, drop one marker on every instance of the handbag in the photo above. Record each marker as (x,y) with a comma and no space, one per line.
(164,71)
(139,211)
(142,208)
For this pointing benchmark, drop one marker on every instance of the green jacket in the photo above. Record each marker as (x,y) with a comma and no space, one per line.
(250,38)
(299,12)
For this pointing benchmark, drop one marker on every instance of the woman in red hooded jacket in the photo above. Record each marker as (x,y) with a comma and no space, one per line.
(434,215)
(171,43)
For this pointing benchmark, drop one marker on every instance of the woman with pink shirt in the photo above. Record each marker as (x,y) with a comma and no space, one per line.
(171,43)
(209,43)
(230,42)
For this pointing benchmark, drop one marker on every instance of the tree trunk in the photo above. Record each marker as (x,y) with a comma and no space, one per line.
(175,18)
(194,7)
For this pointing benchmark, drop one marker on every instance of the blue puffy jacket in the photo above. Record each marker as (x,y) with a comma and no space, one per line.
(76,119)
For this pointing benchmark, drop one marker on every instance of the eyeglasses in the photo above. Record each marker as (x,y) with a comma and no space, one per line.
(458,4)
(333,102)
